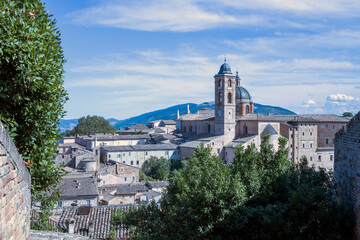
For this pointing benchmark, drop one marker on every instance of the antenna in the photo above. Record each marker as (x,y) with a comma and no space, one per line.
(225,57)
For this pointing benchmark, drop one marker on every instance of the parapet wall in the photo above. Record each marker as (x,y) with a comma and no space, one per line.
(15,191)
(347,168)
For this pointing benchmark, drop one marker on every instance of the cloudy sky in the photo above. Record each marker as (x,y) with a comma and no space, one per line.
(129,57)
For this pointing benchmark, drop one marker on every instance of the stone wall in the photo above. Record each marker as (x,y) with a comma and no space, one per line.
(347,168)
(15,195)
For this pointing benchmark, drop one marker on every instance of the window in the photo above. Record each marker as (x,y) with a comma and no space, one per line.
(209,128)
(229,83)
(146,153)
(310,133)
(327,125)
(292,135)
(137,163)
(191,128)
(321,135)
(220,97)
(109,155)
(121,169)
(303,134)
(220,83)
(123,154)
(303,145)
(319,158)
(237,108)
(125,179)
(310,145)
(245,130)
(310,158)
(326,140)
(133,179)
(331,157)
(129,153)
(119,155)
(218,150)
(247,109)
(132,162)
(88,203)
(60,204)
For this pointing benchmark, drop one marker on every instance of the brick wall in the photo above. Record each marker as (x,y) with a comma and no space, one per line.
(347,168)
(15,195)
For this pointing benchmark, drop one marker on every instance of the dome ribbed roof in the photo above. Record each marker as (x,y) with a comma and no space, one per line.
(225,69)
(241,94)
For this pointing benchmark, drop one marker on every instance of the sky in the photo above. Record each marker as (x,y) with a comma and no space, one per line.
(129,57)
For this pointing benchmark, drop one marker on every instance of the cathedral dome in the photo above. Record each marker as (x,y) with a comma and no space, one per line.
(242,95)
(225,69)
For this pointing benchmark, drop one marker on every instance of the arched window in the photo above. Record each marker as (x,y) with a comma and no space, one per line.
(229,97)
(220,97)
(220,83)
(237,108)
(247,109)
(229,83)
(245,130)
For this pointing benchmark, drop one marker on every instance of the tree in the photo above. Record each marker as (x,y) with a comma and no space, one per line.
(347,114)
(262,195)
(91,125)
(157,168)
(32,95)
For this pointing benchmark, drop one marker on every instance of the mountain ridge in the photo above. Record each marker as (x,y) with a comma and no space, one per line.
(170,113)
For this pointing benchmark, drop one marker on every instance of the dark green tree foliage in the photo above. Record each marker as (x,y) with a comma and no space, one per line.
(91,125)
(157,168)
(347,114)
(262,195)
(31,87)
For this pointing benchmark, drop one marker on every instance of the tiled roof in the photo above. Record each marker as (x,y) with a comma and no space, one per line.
(137,127)
(168,122)
(143,147)
(82,186)
(155,184)
(294,118)
(102,137)
(201,115)
(95,225)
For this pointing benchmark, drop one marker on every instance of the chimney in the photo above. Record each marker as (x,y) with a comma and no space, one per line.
(188,109)
(70,225)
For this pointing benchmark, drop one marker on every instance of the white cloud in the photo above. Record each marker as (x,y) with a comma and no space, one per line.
(309,103)
(159,15)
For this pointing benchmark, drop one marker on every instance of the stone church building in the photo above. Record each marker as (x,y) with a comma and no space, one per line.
(234,122)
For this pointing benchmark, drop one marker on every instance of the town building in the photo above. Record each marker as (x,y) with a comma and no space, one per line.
(136,155)
(233,122)
(78,191)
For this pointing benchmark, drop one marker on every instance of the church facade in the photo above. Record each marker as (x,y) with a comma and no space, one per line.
(233,122)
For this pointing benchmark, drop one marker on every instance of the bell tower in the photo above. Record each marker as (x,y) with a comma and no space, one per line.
(225,87)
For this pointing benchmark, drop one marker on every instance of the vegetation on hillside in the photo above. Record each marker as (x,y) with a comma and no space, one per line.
(91,125)
(32,95)
(262,195)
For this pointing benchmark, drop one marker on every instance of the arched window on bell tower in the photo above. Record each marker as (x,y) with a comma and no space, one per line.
(229,97)
(220,82)
(220,97)
(247,109)
(229,83)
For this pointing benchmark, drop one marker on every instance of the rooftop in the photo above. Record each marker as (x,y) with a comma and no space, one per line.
(143,147)
(81,186)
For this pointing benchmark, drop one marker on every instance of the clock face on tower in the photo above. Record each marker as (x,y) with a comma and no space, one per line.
(219,113)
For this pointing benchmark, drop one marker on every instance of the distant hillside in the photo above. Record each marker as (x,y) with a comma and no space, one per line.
(170,113)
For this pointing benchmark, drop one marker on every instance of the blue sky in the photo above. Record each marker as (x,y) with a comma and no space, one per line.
(128,57)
